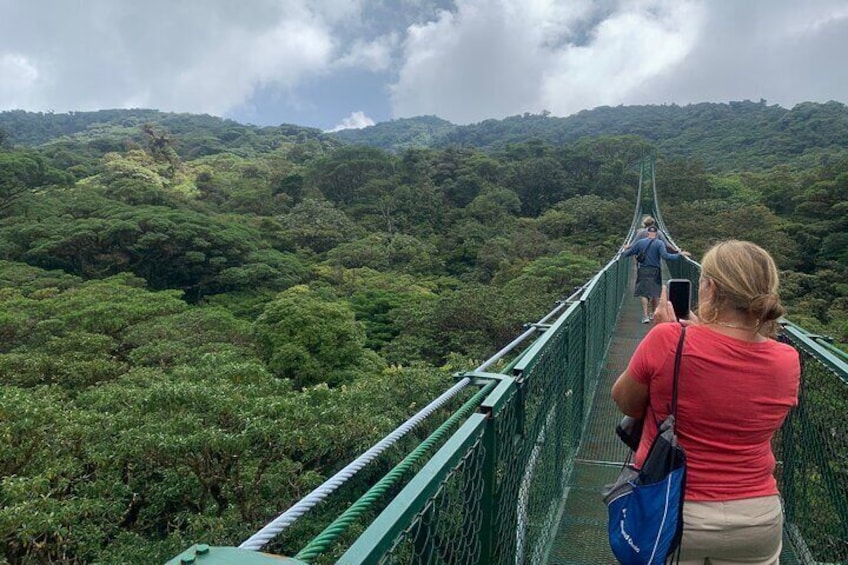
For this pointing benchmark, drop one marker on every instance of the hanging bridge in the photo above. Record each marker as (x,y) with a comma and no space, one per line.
(507,466)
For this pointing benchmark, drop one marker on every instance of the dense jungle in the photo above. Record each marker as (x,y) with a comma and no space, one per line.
(202,320)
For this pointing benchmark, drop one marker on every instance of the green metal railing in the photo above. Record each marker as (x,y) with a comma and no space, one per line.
(495,489)
(494,492)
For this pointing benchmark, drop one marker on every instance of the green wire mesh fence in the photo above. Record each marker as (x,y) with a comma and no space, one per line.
(494,492)
(813,450)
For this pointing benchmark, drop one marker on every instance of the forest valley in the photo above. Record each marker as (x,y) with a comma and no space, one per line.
(203,320)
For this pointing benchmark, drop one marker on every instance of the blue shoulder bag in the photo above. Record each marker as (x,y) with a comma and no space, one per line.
(646,505)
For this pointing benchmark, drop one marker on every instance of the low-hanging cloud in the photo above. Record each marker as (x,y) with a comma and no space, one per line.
(196,56)
(373,55)
(463,60)
(18,77)
(627,50)
(356,120)
(782,51)
(494,58)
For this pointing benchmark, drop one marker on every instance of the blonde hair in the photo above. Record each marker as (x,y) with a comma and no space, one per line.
(648,221)
(746,281)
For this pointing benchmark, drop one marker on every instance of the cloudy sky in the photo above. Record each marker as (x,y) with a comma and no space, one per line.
(349,63)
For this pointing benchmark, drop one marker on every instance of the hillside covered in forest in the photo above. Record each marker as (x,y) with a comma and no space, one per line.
(725,137)
(203,320)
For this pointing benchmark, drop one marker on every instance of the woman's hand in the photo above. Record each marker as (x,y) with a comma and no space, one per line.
(665,311)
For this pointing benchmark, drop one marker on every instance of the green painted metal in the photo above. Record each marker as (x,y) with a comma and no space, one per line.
(823,354)
(382,535)
(488,504)
(202,554)
(532,428)
(825,342)
(833,358)
(500,395)
(812,449)
(532,353)
(325,539)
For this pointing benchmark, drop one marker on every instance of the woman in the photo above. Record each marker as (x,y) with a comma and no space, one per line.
(735,388)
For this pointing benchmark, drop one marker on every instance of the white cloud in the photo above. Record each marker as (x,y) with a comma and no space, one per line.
(229,72)
(497,58)
(18,76)
(193,55)
(627,51)
(465,60)
(479,62)
(372,55)
(356,120)
(782,51)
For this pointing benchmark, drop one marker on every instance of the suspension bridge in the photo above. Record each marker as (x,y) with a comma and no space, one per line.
(516,452)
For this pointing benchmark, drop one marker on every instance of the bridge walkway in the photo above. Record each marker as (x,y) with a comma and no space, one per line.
(581,536)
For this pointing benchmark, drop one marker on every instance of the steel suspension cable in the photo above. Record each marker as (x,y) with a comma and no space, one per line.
(331,533)
(258,540)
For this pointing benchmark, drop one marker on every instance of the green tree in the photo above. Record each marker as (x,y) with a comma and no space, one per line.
(539,183)
(304,337)
(20,173)
(318,225)
(340,175)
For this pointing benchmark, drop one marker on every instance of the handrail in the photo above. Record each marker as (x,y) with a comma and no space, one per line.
(812,345)
(268,532)
(326,538)
(258,540)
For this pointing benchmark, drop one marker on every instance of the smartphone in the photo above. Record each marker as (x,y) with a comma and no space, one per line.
(680,296)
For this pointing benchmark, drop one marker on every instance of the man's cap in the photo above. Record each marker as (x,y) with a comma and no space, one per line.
(652,229)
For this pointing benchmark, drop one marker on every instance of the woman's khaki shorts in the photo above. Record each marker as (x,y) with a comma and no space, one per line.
(736,531)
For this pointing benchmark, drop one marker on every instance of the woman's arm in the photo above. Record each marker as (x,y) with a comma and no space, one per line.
(630,395)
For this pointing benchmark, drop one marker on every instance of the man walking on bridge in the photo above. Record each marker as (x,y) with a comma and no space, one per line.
(649,253)
(648,222)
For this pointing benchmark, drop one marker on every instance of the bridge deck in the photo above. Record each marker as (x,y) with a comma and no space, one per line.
(581,538)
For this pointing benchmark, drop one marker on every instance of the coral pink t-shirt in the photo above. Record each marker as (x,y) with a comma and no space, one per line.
(732,395)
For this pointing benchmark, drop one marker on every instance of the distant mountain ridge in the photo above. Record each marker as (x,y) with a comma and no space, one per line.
(395,135)
(733,136)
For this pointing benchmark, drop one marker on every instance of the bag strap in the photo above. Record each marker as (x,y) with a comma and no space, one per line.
(677,357)
(645,252)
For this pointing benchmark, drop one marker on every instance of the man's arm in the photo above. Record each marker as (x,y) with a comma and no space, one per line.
(640,234)
(673,256)
(633,249)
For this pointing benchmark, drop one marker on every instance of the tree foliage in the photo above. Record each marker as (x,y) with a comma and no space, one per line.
(202,320)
